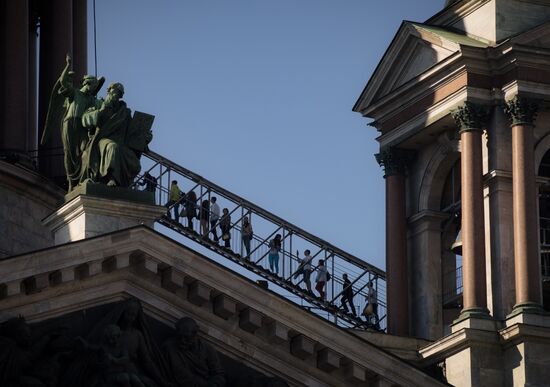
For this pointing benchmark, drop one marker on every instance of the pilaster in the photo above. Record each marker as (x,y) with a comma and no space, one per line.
(425,273)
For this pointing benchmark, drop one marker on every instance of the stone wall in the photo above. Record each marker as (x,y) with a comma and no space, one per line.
(25,199)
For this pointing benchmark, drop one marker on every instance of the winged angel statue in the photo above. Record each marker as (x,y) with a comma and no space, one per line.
(102,142)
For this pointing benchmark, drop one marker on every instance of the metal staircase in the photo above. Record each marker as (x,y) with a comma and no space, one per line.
(266,225)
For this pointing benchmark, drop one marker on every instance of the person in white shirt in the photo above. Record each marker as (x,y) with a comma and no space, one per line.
(214,217)
(372,299)
(321,279)
(305,269)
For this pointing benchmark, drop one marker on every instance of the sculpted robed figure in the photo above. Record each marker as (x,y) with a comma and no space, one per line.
(112,153)
(102,141)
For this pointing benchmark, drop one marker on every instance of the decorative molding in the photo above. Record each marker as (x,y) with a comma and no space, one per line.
(428,216)
(168,297)
(394,160)
(538,2)
(471,116)
(455,11)
(521,110)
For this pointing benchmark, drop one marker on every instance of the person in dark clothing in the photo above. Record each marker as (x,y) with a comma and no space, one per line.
(273,256)
(190,208)
(225,226)
(347,296)
(149,181)
(204,218)
(247,233)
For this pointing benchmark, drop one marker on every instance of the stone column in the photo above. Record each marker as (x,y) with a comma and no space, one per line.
(15,90)
(470,119)
(56,40)
(80,38)
(394,161)
(522,113)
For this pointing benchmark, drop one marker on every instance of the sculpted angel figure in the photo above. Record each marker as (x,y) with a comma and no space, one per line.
(67,106)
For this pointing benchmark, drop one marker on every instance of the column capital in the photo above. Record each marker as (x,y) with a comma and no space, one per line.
(394,160)
(521,110)
(471,116)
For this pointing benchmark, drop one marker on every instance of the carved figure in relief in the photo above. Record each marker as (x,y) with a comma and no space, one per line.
(192,361)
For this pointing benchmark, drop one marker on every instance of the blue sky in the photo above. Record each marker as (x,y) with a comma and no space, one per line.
(256,96)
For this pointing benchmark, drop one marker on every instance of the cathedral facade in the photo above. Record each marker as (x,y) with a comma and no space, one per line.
(93,294)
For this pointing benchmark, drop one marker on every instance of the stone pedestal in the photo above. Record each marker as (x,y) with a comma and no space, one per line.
(480,352)
(527,349)
(88,216)
(472,353)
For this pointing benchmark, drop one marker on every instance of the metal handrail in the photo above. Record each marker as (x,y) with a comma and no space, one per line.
(337,260)
(229,195)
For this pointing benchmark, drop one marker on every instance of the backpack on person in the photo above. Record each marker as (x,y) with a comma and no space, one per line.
(368,310)
(328,276)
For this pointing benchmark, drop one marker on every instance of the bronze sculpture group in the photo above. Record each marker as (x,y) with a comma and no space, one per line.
(102,142)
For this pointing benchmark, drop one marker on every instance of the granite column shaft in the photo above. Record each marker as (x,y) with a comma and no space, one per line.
(470,119)
(526,239)
(397,275)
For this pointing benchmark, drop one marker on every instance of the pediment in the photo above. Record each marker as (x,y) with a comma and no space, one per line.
(415,49)
(419,56)
(245,322)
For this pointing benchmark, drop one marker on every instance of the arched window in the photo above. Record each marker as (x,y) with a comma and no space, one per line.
(544,224)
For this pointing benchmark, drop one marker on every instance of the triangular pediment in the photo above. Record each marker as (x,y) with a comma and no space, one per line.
(244,321)
(417,58)
(415,49)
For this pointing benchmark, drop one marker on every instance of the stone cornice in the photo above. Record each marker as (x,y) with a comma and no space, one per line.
(102,206)
(519,333)
(456,342)
(194,280)
(416,88)
(521,110)
(454,12)
(406,33)
(498,180)
(475,74)
(428,215)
